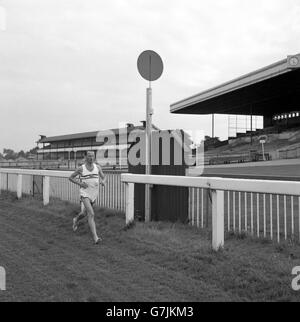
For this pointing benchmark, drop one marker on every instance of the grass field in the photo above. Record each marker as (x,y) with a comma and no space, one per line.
(46,261)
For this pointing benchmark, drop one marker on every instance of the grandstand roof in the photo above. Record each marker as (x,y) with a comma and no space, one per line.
(68,137)
(87,135)
(267,91)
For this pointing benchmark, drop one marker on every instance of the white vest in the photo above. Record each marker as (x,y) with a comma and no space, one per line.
(91,178)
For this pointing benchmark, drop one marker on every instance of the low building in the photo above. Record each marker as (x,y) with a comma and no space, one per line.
(72,147)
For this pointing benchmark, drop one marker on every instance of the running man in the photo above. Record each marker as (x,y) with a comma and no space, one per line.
(89,178)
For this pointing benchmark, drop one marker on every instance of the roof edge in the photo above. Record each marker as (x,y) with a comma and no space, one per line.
(259,75)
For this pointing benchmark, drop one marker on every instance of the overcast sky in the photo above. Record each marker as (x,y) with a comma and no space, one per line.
(70,65)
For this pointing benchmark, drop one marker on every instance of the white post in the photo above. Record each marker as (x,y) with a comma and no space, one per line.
(19,186)
(2,279)
(129,203)
(46,190)
(263,151)
(148,153)
(217,219)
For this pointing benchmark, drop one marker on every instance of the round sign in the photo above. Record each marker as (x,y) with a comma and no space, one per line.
(150,65)
(263,138)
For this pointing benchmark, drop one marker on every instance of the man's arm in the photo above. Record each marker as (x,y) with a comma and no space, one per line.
(73,177)
(102,176)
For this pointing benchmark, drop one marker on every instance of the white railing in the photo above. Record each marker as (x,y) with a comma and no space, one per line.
(56,184)
(231,196)
(65,165)
(268,209)
(263,215)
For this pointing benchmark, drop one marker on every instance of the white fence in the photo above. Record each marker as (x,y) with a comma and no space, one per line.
(264,215)
(55,184)
(260,207)
(268,209)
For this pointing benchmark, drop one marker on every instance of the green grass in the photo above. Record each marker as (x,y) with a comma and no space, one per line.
(46,261)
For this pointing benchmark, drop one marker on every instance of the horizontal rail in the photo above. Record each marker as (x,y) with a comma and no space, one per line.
(56,184)
(44,173)
(48,173)
(242,185)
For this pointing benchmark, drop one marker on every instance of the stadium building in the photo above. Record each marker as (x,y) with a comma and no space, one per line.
(72,147)
(272,92)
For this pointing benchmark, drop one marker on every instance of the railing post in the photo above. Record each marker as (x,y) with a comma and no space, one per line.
(129,203)
(217,219)
(19,186)
(46,190)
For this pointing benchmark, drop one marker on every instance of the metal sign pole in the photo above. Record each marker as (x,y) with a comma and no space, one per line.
(150,67)
(149,113)
(263,151)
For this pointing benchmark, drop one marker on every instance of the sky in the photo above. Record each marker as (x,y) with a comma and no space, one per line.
(69,66)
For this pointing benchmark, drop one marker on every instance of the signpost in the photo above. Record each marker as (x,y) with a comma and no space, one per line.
(150,67)
(263,141)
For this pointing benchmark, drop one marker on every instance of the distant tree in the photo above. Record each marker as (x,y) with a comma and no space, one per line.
(34,150)
(21,154)
(31,152)
(9,154)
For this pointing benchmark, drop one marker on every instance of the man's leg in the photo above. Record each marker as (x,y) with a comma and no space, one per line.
(79,217)
(82,213)
(91,218)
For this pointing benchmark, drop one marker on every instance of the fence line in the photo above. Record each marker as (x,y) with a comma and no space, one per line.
(111,196)
(253,209)
(244,202)
(251,213)
(59,164)
(268,209)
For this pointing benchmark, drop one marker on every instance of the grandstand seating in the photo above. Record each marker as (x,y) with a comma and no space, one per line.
(281,143)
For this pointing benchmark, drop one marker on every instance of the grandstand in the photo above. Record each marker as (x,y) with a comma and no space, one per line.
(67,151)
(280,144)
(273,93)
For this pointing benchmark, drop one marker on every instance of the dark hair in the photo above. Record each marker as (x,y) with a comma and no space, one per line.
(89,151)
